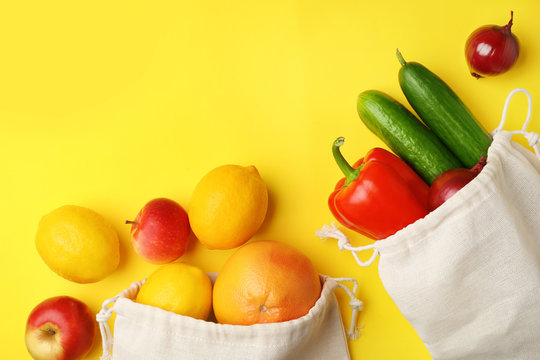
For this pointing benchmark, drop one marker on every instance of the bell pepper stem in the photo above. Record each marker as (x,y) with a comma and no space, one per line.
(350,173)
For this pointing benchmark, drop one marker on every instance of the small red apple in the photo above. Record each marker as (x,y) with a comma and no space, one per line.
(60,328)
(159,233)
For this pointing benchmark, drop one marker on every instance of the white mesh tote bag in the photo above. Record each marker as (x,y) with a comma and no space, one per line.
(143,332)
(467,276)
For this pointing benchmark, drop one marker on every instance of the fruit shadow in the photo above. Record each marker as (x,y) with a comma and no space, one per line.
(97,348)
(125,246)
(269,212)
(192,244)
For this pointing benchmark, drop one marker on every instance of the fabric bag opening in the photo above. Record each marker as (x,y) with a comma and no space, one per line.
(146,332)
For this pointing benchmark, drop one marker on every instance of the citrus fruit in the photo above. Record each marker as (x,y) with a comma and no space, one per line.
(228,206)
(78,244)
(264,282)
(178,287)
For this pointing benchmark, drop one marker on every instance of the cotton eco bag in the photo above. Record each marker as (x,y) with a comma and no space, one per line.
(146,332)
(467,276)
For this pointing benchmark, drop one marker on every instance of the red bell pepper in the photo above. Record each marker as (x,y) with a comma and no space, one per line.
(379,195)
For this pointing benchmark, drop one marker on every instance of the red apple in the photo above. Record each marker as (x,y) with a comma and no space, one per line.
(159,233)
(60,328)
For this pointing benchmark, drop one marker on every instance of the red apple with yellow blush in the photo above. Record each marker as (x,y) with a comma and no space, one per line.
(60,328)
(160,231)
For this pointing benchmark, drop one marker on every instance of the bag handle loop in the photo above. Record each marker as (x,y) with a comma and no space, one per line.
(532,137)
(105,314)
(333,232)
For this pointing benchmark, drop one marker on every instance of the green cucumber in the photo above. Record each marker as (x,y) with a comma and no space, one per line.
(405,135)
(443,112)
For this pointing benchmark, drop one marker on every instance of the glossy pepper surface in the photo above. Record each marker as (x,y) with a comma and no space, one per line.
(379,195)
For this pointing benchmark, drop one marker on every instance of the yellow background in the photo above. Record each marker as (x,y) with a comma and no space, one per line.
(108,104)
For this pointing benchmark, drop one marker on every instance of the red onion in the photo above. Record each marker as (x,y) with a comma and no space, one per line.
(450,182)
(491,49)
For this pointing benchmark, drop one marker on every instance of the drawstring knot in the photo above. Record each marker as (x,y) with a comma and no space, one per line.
(343,243)
(332,231)
(356,305)
(533,138)
(105,314)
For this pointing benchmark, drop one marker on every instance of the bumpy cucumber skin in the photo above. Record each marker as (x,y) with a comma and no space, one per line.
(444,113)
(405,135)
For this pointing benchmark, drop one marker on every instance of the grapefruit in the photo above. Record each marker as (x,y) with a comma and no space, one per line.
(265,282)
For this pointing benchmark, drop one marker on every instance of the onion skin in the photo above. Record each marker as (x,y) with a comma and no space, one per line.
(450,182)
(492,50)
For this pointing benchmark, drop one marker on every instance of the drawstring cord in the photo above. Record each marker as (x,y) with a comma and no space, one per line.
(106,336)
(356,305)
(105,314)
(532,138)
(333,232)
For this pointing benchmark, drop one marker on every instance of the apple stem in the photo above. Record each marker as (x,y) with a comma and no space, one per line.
(132,222)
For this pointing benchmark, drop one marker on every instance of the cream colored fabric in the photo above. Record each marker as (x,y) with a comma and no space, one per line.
(146,333)
(467,276)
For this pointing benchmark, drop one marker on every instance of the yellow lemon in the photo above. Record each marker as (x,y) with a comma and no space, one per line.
(78,244)
(228,206)
(178,287)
